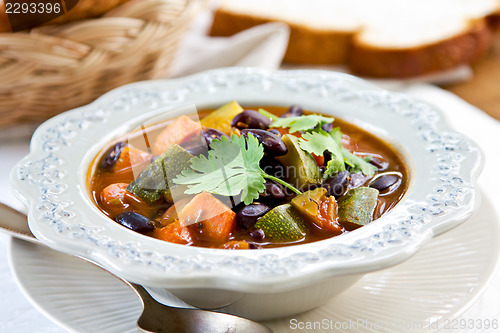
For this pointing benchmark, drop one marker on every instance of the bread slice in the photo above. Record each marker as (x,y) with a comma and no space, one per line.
(383,38)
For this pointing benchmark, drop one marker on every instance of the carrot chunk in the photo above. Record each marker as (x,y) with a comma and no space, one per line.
(180,130)
(113,195)
(115,199)
(170,214)
(174,233)
(132,158)
(208,218)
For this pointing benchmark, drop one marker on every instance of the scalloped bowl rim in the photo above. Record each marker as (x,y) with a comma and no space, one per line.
(64,218)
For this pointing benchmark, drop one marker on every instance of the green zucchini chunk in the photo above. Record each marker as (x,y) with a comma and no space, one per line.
(357,205)
(302,169)
(283,224)
(155,181)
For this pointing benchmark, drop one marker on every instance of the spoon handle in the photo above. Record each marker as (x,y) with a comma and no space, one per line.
(14,223)
(156,317)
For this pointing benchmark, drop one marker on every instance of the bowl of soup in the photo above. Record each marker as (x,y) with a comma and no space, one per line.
(260,193)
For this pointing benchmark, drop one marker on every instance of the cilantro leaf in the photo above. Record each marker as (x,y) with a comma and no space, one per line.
(253,151)
(268,114)
(302,123)
(231,168)
(336,135)
(358,164)
(319,141)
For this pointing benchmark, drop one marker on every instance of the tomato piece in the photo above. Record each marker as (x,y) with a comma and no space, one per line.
(328,218)
(320,159)
(208,218)
(174,233)
(321,210)
(180,130)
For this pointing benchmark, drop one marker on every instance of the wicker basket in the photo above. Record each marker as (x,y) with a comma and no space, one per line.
(54,68)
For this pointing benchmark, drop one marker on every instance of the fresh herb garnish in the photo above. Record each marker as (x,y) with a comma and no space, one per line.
(302,123)
(268,114)
(356,163)
(319,141)
(231,168)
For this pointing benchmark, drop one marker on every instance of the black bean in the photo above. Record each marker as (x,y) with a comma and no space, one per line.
(250,119)
(248,215)
(111,156)
(358,179)
(310,187)
(254,246)
(135,221)
(272,167)
(273,145)
(257,234)
(379,163)
(327,127)
(291,194)
(196,150)
(385,181)
(212,134)
(275,132)
(327,155)
(196,146)
(273,190)
(338,184)
(293,111)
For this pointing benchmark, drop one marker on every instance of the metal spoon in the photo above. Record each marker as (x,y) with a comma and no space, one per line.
(155,317)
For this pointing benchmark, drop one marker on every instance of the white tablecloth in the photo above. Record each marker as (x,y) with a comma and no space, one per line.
(19,316)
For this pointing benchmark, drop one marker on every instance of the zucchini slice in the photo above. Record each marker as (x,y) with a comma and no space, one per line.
(357,205)
(155,181)
(283,224)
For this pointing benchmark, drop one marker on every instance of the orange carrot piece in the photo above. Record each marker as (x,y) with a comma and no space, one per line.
(180,130)
(133,158)
(116,199)
(114,194)
(174,233)
(208,218)
(170,214)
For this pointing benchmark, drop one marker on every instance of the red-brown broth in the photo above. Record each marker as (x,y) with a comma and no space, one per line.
(355,139)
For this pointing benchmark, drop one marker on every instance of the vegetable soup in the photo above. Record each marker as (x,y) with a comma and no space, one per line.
(248,178)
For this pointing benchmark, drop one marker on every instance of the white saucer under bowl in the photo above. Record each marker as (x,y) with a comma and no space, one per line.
(435,285)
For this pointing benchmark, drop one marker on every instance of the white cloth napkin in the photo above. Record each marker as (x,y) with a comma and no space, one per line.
(263,46)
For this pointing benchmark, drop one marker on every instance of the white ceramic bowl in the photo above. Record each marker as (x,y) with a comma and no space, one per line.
(265,283)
